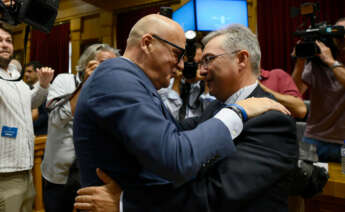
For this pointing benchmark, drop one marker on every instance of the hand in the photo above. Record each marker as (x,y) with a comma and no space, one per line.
(104,198)
(325,53)
(45,76)
(91,66)
(7,2)
(257,106)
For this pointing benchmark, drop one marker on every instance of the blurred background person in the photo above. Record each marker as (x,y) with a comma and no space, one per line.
(40,114)
(324,75)
(17,138)
(281,85)
(30,74)
(59,170)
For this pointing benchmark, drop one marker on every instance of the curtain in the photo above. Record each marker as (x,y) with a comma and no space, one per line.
(125,21)
(275,28)
(51,49)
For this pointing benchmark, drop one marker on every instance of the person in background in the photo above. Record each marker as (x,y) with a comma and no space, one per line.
(40,114)
(17,137)
(324,75)
(30,74)
(283,88)
(58,189)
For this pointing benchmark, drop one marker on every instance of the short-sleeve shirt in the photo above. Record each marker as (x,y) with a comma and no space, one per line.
(279,81)
(326,119)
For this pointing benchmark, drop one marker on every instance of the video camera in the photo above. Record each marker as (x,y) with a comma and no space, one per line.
(40,14)
(307,48)
(190,66)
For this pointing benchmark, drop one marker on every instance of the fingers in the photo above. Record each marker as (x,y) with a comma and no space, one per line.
(87,190)
(279,107)
(104,177)
(84,202)
(83,206)
(256,106)
(91,66)
(45,71)
(45,75)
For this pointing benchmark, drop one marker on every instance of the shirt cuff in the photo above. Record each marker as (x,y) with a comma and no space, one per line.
(121,205)
(231,120)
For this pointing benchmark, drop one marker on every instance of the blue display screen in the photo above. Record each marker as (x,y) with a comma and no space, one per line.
(216,14)
(185,16)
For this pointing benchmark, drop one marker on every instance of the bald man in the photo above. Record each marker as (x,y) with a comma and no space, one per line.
(122,126)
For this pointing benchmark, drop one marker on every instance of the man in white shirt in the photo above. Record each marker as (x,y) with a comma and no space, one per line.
(17,137)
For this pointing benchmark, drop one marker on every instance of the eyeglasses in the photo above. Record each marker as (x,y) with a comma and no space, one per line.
(209,58)
(182,50)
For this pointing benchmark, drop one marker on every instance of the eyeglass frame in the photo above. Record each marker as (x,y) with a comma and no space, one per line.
(204,64)
(180,56)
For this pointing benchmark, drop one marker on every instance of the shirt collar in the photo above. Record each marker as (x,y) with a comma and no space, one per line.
(11,72)
(242,93)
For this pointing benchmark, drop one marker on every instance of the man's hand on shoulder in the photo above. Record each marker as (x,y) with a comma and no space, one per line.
(104,198)
(257,106)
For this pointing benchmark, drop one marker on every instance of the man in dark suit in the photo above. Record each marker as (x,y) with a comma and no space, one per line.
(251,179)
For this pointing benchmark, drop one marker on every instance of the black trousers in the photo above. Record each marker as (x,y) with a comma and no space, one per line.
(57,197)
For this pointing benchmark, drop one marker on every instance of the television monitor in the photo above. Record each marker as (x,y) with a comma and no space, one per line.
(216,14)
(185,16)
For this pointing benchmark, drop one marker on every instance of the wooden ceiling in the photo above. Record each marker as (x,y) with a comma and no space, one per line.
(115,5)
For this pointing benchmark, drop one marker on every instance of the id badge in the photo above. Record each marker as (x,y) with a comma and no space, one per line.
(9,132)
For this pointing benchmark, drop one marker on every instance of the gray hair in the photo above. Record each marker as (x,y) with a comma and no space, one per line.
(238,37)
(91,52)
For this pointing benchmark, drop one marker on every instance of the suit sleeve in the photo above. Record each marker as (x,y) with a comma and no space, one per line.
(266,153)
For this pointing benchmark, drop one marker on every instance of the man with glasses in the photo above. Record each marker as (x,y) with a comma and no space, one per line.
(122,126)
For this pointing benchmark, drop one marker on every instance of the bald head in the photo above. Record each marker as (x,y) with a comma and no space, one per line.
(153,24)
(156,44)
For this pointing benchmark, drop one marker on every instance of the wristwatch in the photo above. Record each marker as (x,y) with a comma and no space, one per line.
(236,110)
(336,64)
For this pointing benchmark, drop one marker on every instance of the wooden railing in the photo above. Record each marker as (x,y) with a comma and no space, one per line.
(40,143)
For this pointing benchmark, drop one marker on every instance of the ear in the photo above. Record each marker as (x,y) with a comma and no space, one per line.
(243,59)
(146,43)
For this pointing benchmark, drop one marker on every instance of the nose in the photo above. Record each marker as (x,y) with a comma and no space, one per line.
(180,64)
(203,71)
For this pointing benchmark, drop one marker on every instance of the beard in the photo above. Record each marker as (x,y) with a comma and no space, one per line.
(4,62)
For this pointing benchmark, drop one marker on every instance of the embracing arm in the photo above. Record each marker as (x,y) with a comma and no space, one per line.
(266,152)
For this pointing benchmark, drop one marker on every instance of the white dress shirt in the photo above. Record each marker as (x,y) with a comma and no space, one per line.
(59,152)
(16,102)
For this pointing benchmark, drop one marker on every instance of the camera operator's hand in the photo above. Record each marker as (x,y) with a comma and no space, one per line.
(325,53)
(45,76)
(91,66)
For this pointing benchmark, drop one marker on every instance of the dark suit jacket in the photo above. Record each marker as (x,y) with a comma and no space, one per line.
(122,127)
(251,179)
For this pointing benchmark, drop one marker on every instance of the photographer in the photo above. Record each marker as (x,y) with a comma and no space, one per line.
(325,76)
(17,137)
